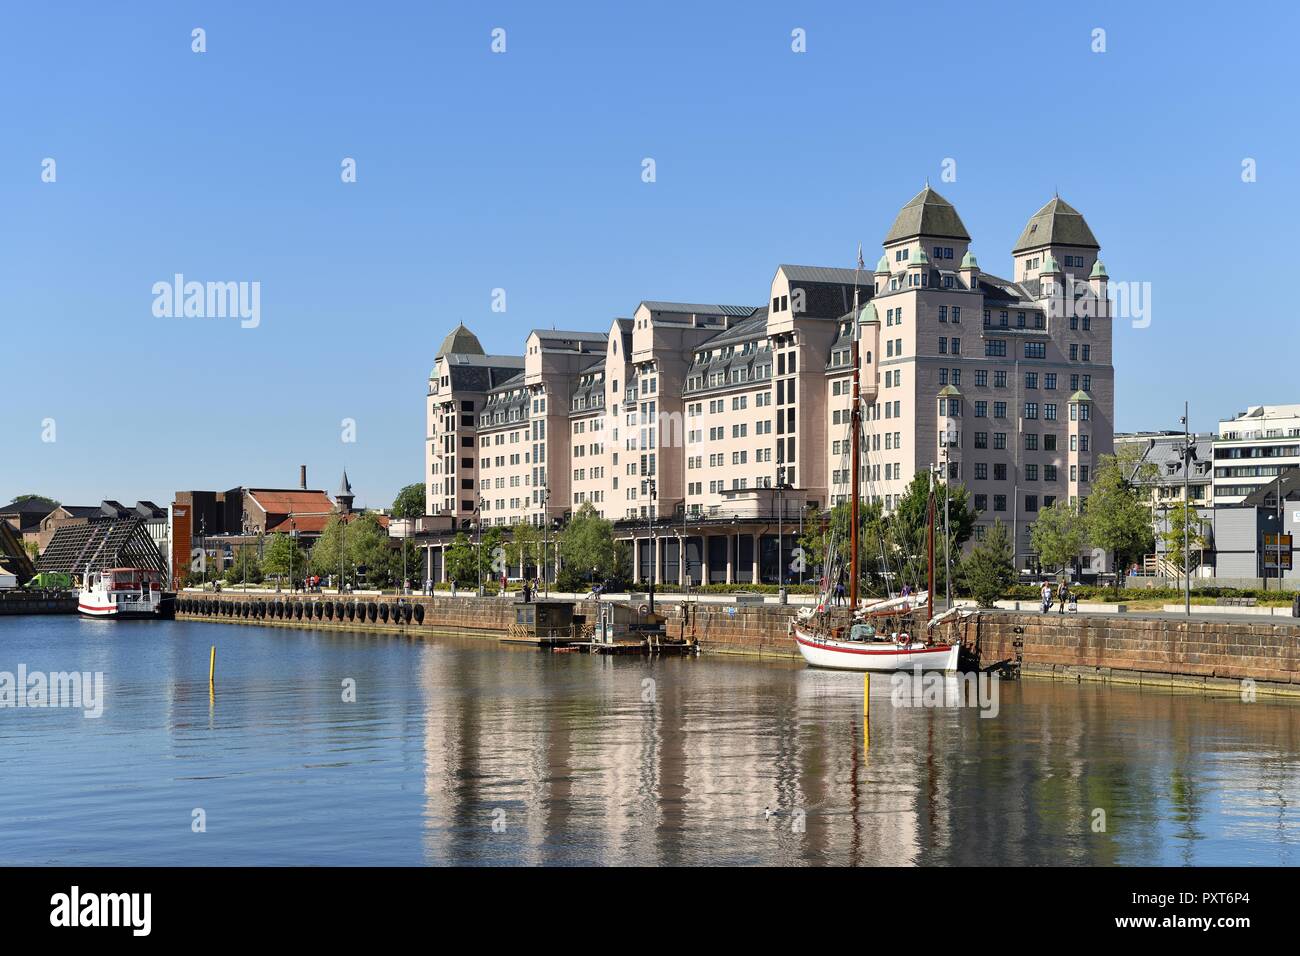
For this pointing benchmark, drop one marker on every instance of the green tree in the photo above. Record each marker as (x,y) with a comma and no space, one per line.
(245,566)
(460,564)
(587,544)
(1117,515)
(283,558)
(1059,534)
(1182,516)
(908,531)
(409,502)
(989,570)
(324,558)
(874,549)
(369,547)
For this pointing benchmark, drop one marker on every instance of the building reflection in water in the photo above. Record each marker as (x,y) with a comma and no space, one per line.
(626,761)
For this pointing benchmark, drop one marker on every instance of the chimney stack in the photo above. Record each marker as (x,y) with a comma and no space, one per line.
(302,477)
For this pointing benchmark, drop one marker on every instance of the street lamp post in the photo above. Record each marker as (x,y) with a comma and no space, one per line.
(650,521)
(546,520)
(1188,455)
(478,542)
(780,534)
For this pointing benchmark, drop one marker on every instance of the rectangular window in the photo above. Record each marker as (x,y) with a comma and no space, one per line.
(995,347)
(981,439)
(981,471)
(1035,350)
(981,377)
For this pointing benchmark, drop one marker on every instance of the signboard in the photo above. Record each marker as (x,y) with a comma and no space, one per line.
(1271,551)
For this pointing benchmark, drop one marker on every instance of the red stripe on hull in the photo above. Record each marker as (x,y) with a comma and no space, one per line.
(936,649)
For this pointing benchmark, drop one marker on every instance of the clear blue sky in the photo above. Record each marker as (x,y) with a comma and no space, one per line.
(523,171)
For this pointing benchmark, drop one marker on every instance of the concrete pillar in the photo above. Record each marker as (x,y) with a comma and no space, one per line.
(758,558)
(683,576)
(731,559)
(656,560)
(636,560)
(442,574)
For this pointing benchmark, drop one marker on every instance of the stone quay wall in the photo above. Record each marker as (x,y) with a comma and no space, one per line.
(1108,647)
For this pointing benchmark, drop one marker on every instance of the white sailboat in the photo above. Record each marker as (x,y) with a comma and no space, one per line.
(875,636)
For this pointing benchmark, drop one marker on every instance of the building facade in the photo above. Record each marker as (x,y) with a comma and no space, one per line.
(709,433)
(1253,448)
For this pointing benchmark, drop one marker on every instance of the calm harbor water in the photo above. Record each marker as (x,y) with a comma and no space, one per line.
(459,751)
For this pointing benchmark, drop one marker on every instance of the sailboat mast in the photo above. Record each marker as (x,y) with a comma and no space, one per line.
(929,517)
(855,420)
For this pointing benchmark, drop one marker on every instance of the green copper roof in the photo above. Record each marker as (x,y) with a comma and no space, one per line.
(1056,224)
(1080,396)
(968,261)
(1050,267)
(949,391)
(868,313)
(921,259)
(1098,271)
(927,214)
(883,265)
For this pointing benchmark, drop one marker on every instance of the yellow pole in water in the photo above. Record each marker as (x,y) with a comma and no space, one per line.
(866,710)
(212,664)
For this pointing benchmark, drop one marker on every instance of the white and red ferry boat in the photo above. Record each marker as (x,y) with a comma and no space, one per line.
(125,593)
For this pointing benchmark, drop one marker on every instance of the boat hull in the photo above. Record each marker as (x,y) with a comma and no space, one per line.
(874,655)
(91,605)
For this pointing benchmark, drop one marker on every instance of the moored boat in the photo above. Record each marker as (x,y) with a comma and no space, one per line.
(877,636)
(125,593)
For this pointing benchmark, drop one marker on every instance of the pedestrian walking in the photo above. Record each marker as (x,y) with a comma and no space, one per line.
(1045,594)
(1062,595)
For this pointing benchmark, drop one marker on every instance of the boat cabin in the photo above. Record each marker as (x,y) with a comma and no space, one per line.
(129,579)
(621,623)
(545,619)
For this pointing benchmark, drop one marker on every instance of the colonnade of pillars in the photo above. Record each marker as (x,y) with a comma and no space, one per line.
(743,563)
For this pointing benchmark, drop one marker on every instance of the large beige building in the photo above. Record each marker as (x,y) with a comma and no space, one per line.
(703,429)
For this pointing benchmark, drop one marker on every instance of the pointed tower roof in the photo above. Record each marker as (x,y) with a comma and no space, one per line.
(927,214)
(1056,224)
(345,488)
(461,341)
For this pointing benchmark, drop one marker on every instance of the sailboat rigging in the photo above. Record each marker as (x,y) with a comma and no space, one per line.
(868,636)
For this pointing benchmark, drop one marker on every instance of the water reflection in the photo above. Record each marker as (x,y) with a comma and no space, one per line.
(458,751)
